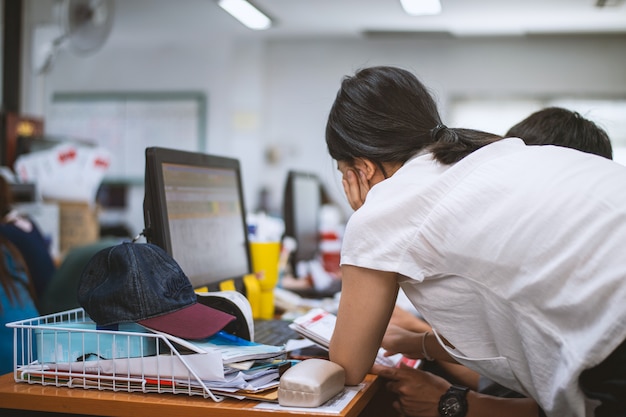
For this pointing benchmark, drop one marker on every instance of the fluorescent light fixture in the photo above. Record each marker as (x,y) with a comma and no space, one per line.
(421,7)
(246,14)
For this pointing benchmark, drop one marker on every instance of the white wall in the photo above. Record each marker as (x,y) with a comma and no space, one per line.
(275,95)
(303,77)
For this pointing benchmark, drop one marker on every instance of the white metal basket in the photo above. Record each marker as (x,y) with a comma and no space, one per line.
(65,349)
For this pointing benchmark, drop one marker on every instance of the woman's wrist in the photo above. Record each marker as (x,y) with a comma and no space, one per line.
(435,350)
(425,354)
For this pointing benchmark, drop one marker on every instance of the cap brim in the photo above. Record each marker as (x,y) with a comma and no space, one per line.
(194,322)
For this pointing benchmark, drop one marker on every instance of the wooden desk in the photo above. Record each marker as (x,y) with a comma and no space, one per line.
(36,397)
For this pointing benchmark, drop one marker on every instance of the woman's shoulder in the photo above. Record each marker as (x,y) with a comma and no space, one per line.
(19,221)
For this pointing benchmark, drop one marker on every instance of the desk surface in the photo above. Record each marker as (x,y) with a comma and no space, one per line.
(37,397)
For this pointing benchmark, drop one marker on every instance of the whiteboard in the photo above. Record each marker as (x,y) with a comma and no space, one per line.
(127,123)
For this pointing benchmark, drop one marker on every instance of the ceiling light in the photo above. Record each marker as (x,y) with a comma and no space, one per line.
(421,7)
(246,14)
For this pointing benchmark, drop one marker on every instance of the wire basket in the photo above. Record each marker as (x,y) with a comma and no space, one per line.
(66,350)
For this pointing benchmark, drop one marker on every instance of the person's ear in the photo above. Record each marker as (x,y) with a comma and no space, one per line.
(366,166)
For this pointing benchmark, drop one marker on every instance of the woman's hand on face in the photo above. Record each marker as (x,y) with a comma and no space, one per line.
(418,391)
(356,187)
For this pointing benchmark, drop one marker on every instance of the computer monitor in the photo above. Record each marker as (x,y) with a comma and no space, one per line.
(302,201)
(112,195)
(23,192)
(194,210)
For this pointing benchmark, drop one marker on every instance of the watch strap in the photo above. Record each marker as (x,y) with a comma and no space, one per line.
(459,389)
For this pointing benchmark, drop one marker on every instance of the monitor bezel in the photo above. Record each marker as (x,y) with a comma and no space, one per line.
(156,227)
(288,211)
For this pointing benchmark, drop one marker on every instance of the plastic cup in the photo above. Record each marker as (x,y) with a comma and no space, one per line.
(265,258)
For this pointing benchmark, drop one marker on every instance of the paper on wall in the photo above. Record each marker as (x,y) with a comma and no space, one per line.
(66,171)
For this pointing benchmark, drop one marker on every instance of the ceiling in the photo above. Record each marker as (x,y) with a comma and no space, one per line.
(198,20)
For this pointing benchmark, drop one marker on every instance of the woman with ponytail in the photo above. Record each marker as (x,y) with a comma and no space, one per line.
(507,251)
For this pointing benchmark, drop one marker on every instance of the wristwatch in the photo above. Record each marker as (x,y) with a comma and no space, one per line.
(454,402)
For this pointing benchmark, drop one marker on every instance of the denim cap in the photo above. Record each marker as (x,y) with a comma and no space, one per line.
(140,282)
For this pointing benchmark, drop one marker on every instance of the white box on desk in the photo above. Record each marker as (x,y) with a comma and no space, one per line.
(74,342)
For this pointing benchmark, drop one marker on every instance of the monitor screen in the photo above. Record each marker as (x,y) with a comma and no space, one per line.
(113,196)
(302,201)
(23,192)
(194,209)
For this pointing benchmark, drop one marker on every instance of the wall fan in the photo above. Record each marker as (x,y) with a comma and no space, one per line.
(84,27)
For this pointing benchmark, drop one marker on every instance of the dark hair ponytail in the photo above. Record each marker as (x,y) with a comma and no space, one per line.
(452,145)
(386,114)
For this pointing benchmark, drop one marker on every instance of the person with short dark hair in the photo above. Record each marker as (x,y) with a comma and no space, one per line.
(493,241)
(562,127)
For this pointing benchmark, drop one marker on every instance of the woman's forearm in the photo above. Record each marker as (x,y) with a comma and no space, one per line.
(481,405)
(361,319)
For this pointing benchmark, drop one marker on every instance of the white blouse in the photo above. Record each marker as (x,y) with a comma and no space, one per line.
(516,254)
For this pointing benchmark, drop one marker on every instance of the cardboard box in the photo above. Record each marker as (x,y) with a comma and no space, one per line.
(78,224)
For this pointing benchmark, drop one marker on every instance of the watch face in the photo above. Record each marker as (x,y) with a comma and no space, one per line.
(450,406)
(453,402)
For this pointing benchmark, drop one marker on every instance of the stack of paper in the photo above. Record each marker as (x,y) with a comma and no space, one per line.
(249,368)
(65,172)
(222,365)
(317,325)
(232,349)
